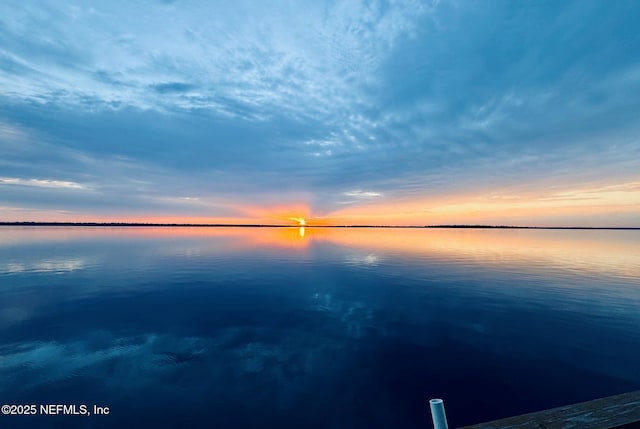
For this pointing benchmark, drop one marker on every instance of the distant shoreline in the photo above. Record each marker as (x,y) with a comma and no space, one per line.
(220,225)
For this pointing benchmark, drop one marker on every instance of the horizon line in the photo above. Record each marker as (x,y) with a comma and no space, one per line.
(218,225)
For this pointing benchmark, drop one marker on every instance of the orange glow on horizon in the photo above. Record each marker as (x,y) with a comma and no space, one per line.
(570,207)
(597,205)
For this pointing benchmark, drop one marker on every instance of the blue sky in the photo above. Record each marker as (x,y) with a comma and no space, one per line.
(410,112)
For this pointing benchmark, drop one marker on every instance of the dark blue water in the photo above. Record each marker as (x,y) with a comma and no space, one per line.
(284,328)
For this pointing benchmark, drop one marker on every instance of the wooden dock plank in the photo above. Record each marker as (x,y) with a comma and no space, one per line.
(613,412)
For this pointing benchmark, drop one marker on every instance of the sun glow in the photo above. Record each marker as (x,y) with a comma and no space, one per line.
(300,220)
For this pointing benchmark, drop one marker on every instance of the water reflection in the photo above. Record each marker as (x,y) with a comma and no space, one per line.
(362,260)
(59,266)
(595,250)
(319,327)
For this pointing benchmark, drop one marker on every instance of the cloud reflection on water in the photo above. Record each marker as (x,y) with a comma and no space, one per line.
(333,319)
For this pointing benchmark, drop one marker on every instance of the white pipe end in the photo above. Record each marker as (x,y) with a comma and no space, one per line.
(437,414)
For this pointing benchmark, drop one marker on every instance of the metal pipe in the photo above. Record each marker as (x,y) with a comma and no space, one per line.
(437,414)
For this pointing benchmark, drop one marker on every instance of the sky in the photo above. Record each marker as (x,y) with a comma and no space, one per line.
(354,112)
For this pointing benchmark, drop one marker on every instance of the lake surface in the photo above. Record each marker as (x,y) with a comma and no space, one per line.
(315,328)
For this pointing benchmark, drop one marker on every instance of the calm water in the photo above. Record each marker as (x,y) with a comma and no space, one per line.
(323,328)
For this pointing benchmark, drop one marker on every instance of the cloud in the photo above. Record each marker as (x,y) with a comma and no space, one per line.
(164,88)
(240,102)
(362,194)
(42,183)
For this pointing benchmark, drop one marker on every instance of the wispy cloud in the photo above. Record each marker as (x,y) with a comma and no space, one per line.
(43,183)
(362,194)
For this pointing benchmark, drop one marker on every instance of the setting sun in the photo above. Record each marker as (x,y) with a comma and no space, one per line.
(300,220)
